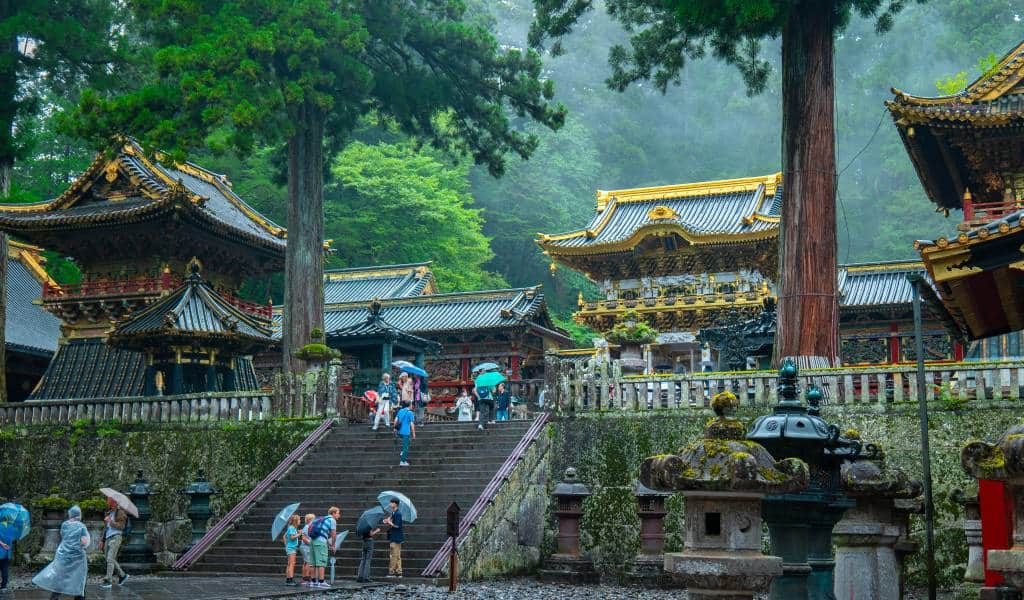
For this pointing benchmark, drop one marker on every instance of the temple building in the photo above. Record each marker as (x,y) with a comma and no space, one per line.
(698,261)
(968,151)
(399,307)
(683,256)
(132,225)
(31,331)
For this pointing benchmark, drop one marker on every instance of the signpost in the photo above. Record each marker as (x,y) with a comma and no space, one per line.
(453,558)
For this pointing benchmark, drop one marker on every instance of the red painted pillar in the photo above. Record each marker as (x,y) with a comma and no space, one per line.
(894,344)
(996,523)
(515,366)
(958,351)
(465,367)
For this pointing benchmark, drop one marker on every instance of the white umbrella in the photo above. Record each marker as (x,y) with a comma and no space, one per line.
(339,539)
(122,501)
(281,520)
(405,505)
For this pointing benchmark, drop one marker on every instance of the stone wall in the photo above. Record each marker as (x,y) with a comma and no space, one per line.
(74,461)
(606,449)
(509,536)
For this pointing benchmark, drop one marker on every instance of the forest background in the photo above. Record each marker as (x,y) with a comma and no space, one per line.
(389,199)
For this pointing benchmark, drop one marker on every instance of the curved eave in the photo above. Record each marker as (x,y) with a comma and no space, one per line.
(151,338)
(653,230)
(992,84)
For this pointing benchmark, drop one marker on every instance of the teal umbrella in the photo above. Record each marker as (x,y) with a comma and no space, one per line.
(490,379)
(14,522)
(281,520)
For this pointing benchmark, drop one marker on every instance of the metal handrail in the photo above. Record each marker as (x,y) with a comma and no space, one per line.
(199,548)
(487,496)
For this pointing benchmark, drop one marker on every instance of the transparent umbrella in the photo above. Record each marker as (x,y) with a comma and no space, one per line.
(14,522)
(405,505)
(370,520)
(281,520)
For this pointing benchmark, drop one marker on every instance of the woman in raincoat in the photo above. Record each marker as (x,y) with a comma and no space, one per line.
(66,574)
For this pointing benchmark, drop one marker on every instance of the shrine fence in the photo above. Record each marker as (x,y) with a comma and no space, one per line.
(600,386)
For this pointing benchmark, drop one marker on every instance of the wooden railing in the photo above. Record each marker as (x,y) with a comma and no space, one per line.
(487,496)
(588,386)
(225,524)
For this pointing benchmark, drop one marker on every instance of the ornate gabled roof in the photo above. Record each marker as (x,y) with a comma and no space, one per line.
(874,285)
(458,312)
(362,284)
(375,327)
(30,328)
(192,312)
(940,133)
(711,212)
(130,187)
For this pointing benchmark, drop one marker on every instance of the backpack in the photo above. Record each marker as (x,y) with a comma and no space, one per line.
(484,394)
(318,528)
(127,531)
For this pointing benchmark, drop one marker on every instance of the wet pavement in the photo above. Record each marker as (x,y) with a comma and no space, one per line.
(190,588)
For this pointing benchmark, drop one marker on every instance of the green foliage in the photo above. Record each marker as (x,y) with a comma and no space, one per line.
(317,352)
(52,502)
(949,398)
(93,505)
(582,336)
(630,328)
(949,86)
(394,203)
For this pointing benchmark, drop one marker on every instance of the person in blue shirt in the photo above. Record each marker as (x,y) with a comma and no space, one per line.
(396,535)
(405,428)
(291,547)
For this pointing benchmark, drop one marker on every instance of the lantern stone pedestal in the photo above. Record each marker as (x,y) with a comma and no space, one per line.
(867,566)
(723,478)
(568,564)
(649,564)
(905,546)
(136,554)
(975,570)
(199,512)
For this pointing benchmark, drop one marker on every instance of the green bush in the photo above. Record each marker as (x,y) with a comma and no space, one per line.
(51,503)
(631,329)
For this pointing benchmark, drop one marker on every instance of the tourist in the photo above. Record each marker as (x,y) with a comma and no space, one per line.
(6,552)
(485,403)
(366,555)
(323,532)
(116,520)
(305,549)
(502,400)
(405,388)
(464,406)
(405,428)
(386,392)
(66,573)
(420,399)
(291,547)
(396,535)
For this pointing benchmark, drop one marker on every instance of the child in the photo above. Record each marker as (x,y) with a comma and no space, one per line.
(396,535)
(304,548)
(291,546)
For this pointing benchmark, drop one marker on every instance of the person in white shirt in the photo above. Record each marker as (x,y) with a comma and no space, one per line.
(464,406)
(386,394)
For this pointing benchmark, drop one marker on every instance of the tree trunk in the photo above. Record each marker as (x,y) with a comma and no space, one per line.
(808,312)
(8,87)
(304,262)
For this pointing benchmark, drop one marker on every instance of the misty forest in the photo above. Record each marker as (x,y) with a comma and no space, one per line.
(392,198)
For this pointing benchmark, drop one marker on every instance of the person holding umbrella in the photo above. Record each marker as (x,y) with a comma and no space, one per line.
(14,525)
(116,521)
(485,394)
(368,526)
(396,535)
(67,572)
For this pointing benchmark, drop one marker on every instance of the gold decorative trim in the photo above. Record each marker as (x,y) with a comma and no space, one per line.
(31,257)
(653,229)
(1006,75)
(905,265)
(689,190)
(661,213)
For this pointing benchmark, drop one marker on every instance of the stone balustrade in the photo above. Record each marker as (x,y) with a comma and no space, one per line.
(221,406)
(599,385)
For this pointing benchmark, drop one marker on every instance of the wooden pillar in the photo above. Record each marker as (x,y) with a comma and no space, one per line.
(420,359)
(894,344)
(211,373)
(149,379)
(230,381)
(515,366)
(958,351)
(385,358)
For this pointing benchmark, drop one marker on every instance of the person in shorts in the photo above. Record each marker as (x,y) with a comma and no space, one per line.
(323,532)
(304,550)
(291,548)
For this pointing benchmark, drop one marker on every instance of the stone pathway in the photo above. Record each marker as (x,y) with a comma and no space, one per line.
(187,588)
(513,589)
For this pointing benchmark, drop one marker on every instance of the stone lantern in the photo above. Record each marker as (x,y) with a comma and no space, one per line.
(568,563)
(723,478)
(1003,461)
(867,564)
(651,509)
(137,552)
(975,571)
(199,511)
(800,525)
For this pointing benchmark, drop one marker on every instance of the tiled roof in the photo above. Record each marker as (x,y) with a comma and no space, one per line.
(877,284)
(708,212)
(194,310)
(373,326)
(441,313)
(156,189)
(29,327)
(387,281)
(91,369)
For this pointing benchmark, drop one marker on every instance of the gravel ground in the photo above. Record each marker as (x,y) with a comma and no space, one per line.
(515,589)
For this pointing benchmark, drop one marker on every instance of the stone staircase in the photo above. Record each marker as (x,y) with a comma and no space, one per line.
(450,461)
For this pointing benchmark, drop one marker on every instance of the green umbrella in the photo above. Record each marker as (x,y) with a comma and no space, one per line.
(490,379)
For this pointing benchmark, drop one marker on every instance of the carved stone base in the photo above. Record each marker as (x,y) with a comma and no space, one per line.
(1002,592)
(1009,564)
(564,568)
(722,575)
(649,571)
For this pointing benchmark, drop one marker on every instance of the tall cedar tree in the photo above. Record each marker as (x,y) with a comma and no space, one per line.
(665,33)
(239,72)
(44,45)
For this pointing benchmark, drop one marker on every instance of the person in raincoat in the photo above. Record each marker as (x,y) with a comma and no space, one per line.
(6,552)
(66,574)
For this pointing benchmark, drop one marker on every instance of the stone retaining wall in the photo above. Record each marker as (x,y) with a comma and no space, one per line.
(606,449)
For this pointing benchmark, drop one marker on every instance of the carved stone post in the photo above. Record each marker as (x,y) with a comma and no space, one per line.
(975,570)
(650,562)
(568,563)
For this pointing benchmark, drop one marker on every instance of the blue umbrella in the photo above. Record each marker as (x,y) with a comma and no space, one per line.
(405,505)
(14,521)
(369,520)
(338,539)
(489,379)
(281,520)
(487,366)
(408,367)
